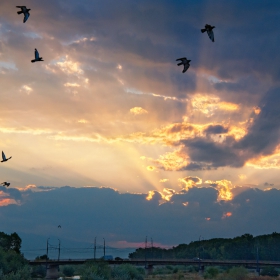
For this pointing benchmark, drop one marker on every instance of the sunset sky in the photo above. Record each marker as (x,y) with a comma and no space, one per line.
(111,115)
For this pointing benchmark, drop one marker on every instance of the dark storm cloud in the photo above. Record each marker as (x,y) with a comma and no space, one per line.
(88,212)
(261,140)
(216,129)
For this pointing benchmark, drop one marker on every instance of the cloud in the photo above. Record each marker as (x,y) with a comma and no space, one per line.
(127,216)
(138,111)
(215,129)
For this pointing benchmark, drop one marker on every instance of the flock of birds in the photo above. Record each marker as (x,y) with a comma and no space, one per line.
(184,61)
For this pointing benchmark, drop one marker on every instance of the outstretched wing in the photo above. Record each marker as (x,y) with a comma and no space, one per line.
(186,67)
(3,156)
(21,7)
(36,54)
(211,35)
(26,16)
(182,59)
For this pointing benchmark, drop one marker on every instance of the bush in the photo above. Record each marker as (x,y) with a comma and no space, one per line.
(211,272)
(237,273)
(68,270)
(39,271)
(269,271)
(127,272)
(96,271)
(22,273)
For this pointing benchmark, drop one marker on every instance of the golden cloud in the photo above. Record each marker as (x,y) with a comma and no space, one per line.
(151,168)
(27,89)
(138,111)
(71,85)
(208,104)
(266,162)
(190,182)
(69,67)
(163,180)
(224,188)
(172,161)
(242,176)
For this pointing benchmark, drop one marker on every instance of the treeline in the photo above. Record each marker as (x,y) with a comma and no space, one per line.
(243,247)
(13,265)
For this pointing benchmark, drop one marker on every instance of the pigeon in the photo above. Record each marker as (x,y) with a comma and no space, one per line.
(209,30)
(37,58)
(4,157)
(24,11)
(6,184)
(186,63)
(59,226)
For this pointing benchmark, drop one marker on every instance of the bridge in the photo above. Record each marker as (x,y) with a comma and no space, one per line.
(53,265)
(143,262)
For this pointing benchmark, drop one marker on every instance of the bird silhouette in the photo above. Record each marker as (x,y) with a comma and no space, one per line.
(37,58)
(5,184)
(4,157)
(186,63)
(59,226)
(209,30)
(24,11)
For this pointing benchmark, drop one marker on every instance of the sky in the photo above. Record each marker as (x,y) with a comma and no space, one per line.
(108,131)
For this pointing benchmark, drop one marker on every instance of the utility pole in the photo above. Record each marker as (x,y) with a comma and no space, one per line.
(146,252)
(58,250)
(258,267)
(94,248)
(199,267)
(104,249)
(152,245)
(47,253)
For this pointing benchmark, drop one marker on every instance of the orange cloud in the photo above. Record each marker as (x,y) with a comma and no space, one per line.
(226,215)
(257,110)
(7,201)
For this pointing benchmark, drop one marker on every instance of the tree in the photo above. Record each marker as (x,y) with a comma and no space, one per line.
(269,271)
(10,242)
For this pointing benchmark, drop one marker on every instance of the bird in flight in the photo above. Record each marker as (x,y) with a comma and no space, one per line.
(4,157)
(184,61)
(209,30)
(24,11)
(5,184)
(37,58)
(59,226)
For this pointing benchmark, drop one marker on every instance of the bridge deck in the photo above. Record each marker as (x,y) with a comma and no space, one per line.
(160,262)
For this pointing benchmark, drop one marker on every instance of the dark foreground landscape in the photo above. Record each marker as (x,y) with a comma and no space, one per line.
(239,258)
